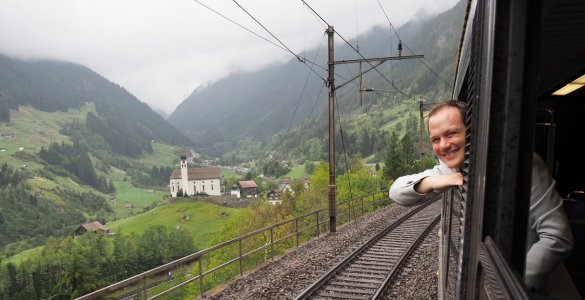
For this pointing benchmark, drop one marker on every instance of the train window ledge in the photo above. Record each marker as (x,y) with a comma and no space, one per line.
(574,206)
(501,282)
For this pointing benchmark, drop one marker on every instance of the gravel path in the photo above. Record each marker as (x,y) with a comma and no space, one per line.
(287,276)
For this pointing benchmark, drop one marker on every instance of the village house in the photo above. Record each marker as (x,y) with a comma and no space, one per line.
(284,185)
(92,226)
(193,181)
(272,195)
(248,188)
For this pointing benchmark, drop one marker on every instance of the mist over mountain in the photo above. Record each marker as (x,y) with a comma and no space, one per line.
(58,86)
(70,139)
(256,105)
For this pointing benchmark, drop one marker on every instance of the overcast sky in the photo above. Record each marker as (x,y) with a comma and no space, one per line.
(161,50)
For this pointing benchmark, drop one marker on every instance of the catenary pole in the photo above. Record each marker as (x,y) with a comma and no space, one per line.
(332,193)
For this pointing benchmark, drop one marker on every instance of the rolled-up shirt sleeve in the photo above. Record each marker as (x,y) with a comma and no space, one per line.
(402,190)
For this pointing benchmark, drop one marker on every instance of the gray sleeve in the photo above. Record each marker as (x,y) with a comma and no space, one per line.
(402,190)
(549,222)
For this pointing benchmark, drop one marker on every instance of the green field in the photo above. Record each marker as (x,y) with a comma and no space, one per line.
(163,155)
(228,173)
(23,256)
(31,129)
(297,171)
(202,219)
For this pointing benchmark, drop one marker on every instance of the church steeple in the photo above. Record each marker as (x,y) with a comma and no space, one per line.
(184,174)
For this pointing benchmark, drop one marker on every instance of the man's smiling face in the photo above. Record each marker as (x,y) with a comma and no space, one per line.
(447,133)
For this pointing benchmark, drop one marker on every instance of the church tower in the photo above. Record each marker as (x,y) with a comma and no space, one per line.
(184,174)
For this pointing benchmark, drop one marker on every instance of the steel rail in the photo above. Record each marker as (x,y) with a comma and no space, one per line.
(377,269)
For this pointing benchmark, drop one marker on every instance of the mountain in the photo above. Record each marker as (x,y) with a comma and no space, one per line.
(75,147)
(254,106)
(58,86)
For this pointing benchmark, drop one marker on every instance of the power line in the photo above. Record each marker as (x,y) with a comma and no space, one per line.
(287,48)
(303,92)
(354,49)
(269,32)
(343,146)
(283,47)
(239,25)
(304,60)
(396,32)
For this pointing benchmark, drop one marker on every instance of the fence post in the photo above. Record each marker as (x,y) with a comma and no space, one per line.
(144,293)
(318,225)
(297,230)
(271,243)
(201,276)
(241,261)
(349,205)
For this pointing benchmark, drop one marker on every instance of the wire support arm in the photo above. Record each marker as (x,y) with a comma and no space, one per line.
(382,59)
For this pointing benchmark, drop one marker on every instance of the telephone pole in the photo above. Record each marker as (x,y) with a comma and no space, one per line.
(332,191)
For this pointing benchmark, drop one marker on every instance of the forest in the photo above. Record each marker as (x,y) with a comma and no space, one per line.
(71,267)
(28,218)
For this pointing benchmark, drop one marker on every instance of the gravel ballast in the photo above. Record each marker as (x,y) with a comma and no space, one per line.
(289,275)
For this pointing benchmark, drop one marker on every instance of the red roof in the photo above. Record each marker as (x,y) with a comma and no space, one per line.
(246,184)
(197,173)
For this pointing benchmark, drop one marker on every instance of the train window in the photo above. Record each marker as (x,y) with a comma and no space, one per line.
(556,144)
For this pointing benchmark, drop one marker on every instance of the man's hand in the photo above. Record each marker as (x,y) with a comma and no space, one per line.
(440,182)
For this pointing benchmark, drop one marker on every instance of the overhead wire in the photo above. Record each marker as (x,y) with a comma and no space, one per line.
(312,63)
(269,32)
(420,59)
(354,49)
(239,25)
(282,46)
(274,36)
(303,91)
(347,170)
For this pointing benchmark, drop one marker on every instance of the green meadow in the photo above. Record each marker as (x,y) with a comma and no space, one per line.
(202,219)
(297,171)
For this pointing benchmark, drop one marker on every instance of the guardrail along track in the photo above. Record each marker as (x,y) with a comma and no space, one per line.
(365,273)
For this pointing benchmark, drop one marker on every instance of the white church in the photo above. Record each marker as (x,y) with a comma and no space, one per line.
(195,180)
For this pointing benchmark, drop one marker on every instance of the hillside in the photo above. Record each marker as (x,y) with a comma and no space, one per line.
(125,123)
(201,219)
(246,108)
(45,199)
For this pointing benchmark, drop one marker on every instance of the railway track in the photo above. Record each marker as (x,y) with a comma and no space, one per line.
(365,273)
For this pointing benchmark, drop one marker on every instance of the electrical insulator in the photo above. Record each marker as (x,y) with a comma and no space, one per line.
(399,48)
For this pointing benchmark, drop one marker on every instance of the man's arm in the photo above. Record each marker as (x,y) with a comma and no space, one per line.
(417,188)
(438,183)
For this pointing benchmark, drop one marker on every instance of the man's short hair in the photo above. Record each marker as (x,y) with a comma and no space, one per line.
(461,106)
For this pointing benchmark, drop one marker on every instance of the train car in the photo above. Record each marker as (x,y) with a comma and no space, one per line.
(514,61)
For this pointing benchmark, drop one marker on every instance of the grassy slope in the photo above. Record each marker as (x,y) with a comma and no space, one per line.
(204,219)
(297,171)
(33,129)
